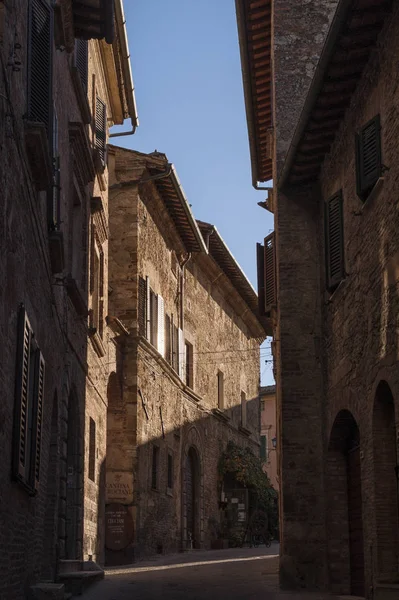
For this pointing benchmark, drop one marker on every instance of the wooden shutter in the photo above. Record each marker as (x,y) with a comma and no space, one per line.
(82,61)
(270,272)
(154,319)
(335,269)
(175,348)
(368,156)
(260,261)
(168,339)
(21,396)
(148,308)
(142,301)
(161,326)
(263,449)
(181,355)
(38,395)
(101,128)
(39,70)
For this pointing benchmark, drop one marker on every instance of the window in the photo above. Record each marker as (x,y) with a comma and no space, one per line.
(170,471)
(54,201)
(263,448)
(266,266)
(243,409)
(101,130)
(189,375)
(368,157)
(153,318)
(175,348)
(82,62)
(92,449)
(262,405)
(28,406)
(334,241)
(220,390)
(39,69)
(155,467)
(97,286)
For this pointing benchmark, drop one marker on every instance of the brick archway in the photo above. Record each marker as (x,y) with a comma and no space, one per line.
(385,484)
(344,508)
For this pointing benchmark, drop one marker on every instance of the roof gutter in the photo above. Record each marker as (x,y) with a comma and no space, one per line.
(127,70)
(186,207)
(246,79)
(315,86)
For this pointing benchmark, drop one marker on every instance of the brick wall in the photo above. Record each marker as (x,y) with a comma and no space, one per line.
(353,354)
(175,418)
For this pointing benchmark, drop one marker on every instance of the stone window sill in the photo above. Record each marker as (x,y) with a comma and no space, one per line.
(244,430)
(219,414)
(76,296)
(97,342)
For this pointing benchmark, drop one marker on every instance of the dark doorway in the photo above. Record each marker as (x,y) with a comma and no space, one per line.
(385,484)
(344,507)
(355,520)
(192,498)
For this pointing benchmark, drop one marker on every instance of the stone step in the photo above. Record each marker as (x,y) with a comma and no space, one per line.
(69,566)
(76,582)
(47,591)
(386,591)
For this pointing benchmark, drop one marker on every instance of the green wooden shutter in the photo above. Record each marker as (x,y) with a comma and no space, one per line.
(82,61)
(335,268)
(263,448)
(22,396)
(260,261)
(270,272)
(40,45)
(101,128)
(368,157)
(38,395)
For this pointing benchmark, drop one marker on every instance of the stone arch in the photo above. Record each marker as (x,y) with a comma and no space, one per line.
(385,483)
(192,492)
(344,507)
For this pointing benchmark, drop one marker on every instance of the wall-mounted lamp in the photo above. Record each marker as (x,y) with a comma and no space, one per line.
(274,443)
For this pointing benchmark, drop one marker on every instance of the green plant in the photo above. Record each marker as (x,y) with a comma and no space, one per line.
(246,468)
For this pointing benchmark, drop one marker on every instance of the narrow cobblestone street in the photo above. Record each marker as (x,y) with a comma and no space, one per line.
(237,574)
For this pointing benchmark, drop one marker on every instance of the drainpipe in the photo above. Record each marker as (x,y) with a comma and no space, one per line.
(182,290)
(126,69)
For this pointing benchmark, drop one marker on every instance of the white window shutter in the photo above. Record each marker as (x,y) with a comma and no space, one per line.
(182,358)
(161,326)
(148,308)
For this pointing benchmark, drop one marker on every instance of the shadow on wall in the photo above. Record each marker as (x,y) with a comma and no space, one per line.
(175,485)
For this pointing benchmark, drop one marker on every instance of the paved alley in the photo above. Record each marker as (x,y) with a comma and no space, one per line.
(236,574)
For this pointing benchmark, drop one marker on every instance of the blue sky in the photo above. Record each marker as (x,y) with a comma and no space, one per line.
(187,75)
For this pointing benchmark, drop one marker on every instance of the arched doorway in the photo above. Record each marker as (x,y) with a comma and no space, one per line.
(344,497)
(74,487)
(385,484)
(191,498)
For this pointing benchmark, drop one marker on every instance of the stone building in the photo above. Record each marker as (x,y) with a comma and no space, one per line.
(64,80)
(336,291)
(268,432)
(186,374)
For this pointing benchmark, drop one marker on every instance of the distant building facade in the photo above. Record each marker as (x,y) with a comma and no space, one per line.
(186,374)
(268,432)
(335,264)
(64,80)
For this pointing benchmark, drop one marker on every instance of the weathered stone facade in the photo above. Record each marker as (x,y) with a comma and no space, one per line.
(337,358)
(156,409)
(46,269)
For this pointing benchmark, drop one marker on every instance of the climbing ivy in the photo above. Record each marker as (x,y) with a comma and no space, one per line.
(246,468)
